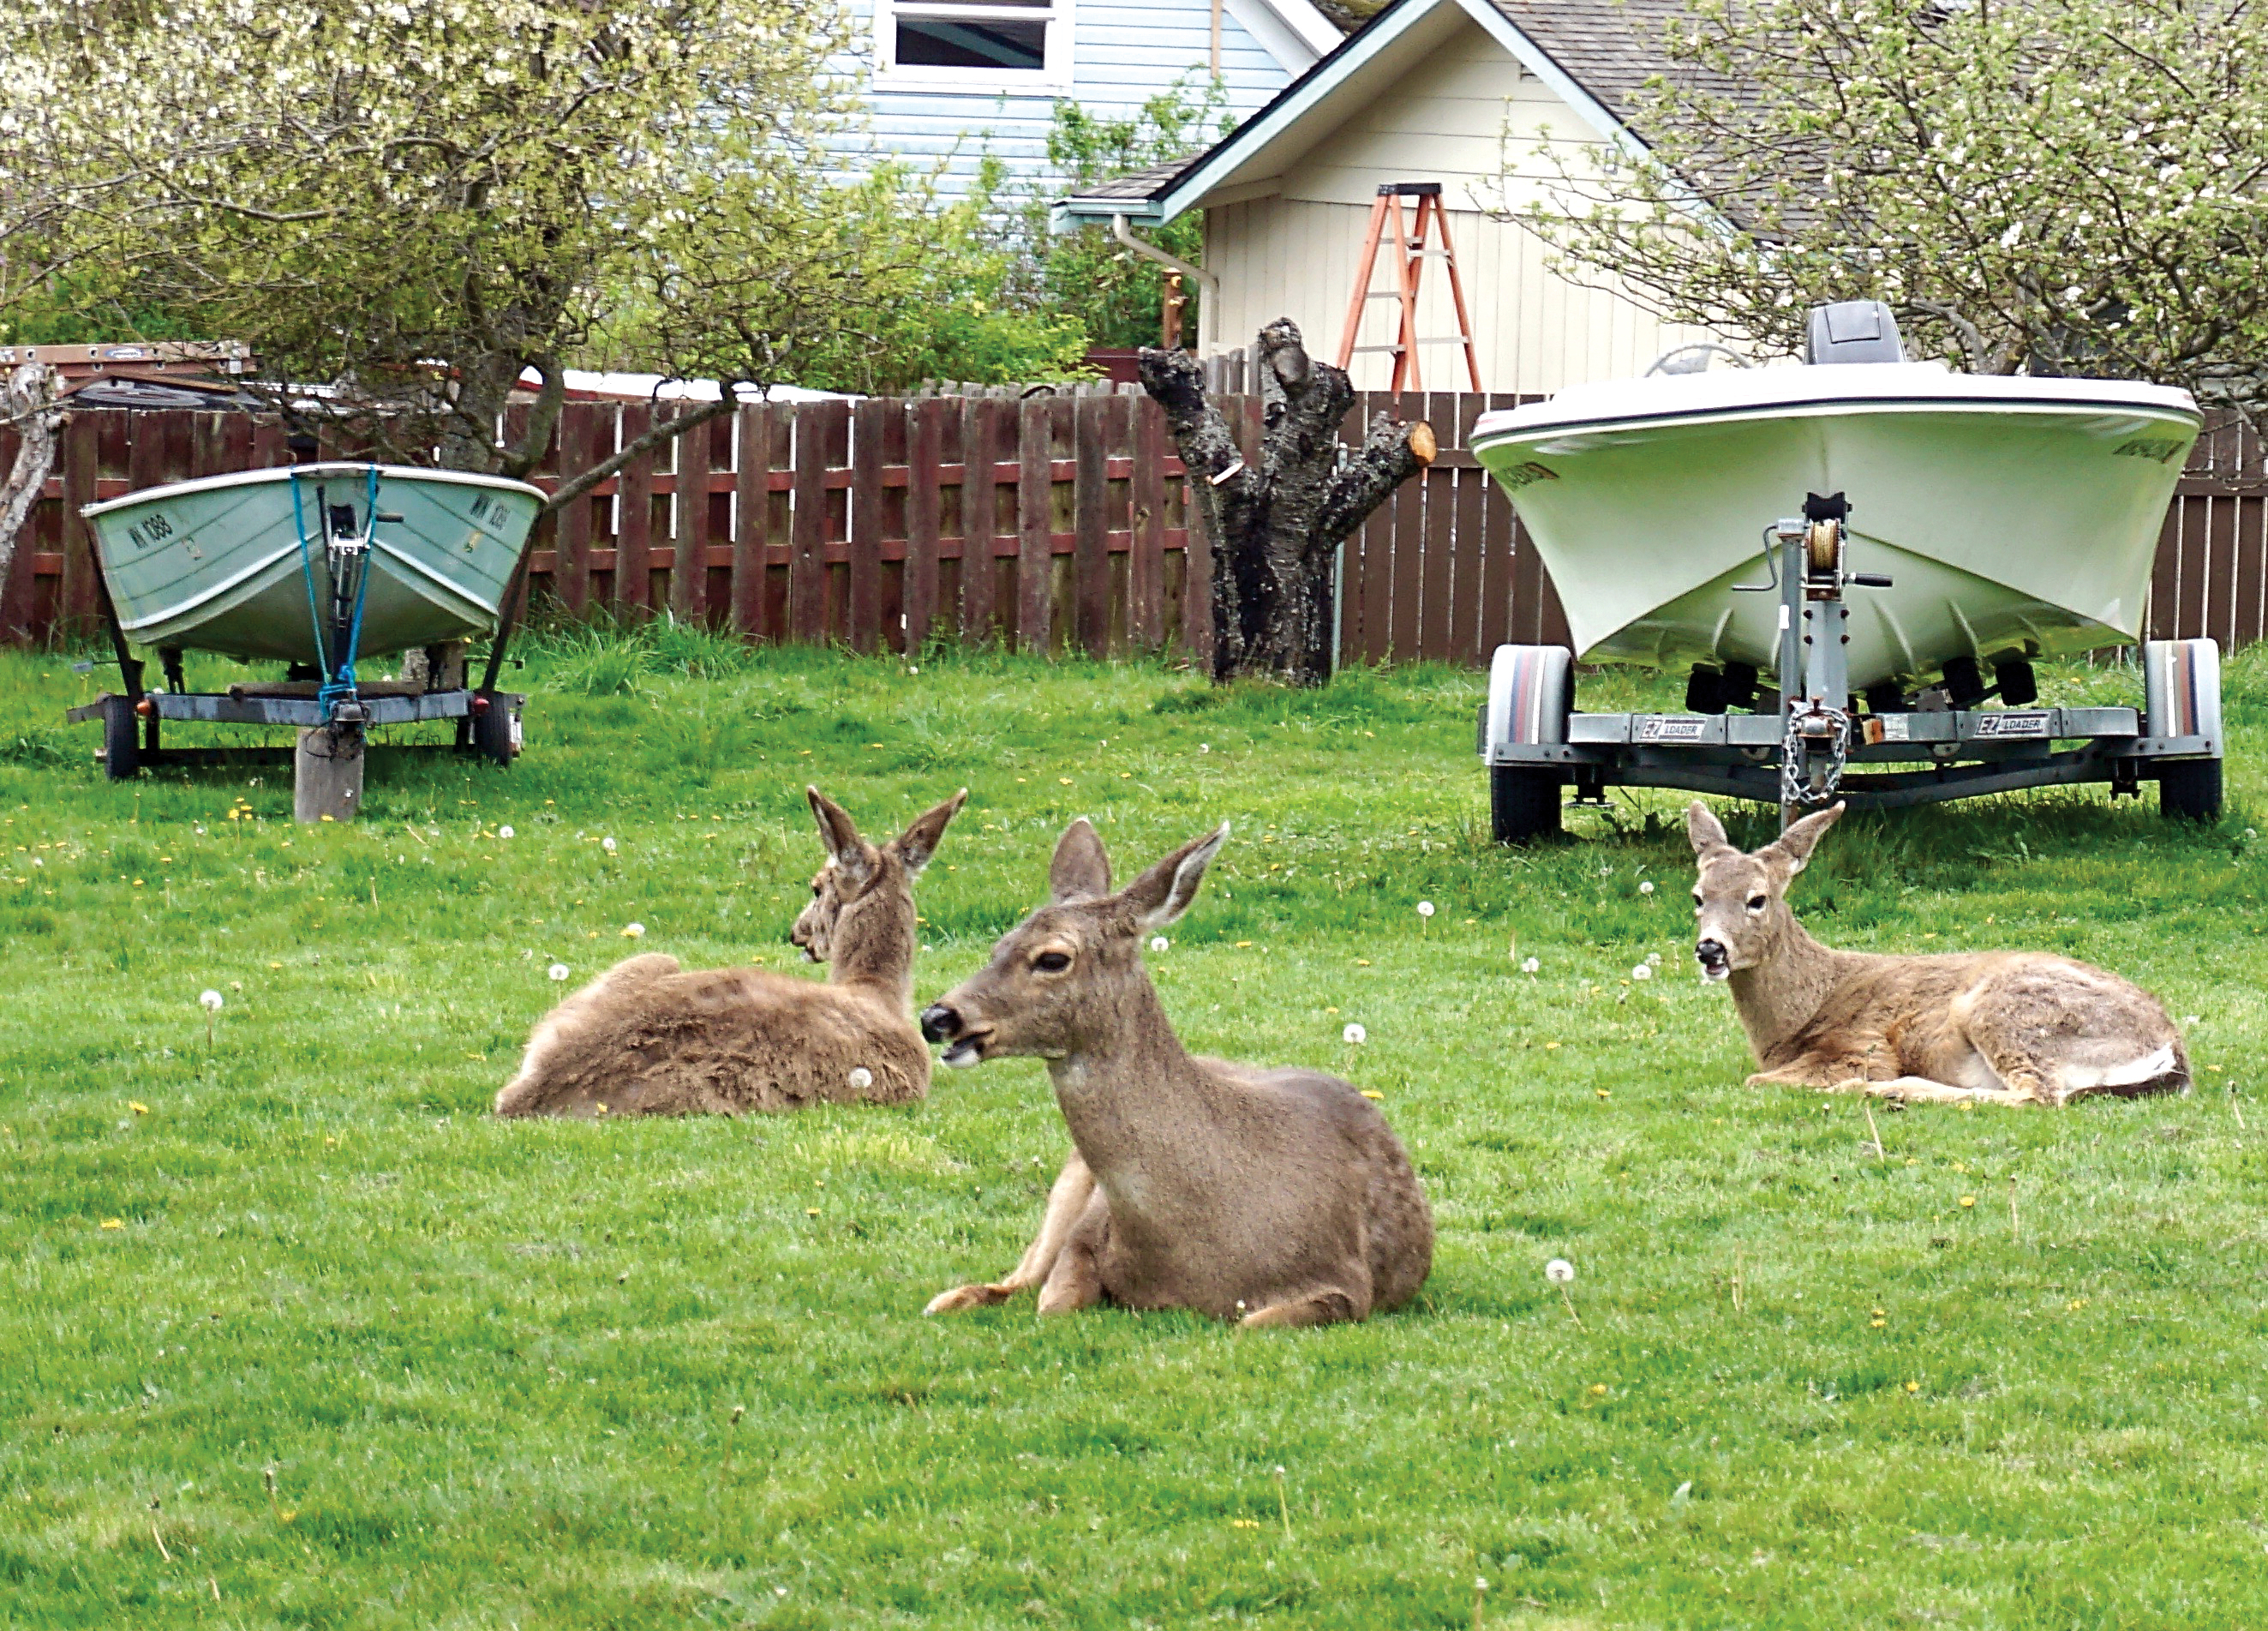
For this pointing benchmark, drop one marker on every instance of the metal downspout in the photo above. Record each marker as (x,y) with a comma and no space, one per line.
(1206,280)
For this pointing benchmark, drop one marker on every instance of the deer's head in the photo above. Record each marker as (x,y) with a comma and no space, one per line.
(1740,901)
(1057,978)
(861,886)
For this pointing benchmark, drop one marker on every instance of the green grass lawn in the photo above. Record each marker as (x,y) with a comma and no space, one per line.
(292,1333)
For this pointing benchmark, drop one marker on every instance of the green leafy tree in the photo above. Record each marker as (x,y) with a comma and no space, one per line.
(1119,296)
(2060,185)
(886,287)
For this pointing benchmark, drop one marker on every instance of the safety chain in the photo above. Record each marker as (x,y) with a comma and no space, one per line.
(1792,788)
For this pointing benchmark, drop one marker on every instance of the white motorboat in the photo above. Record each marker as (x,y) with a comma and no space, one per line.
(2013,516)
(1838,551)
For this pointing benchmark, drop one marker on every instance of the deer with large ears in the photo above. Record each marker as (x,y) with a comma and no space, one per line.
(647,1038)
(1275,1197)
(1993,1027)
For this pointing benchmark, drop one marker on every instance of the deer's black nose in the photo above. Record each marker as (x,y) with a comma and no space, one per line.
(1711,954)
(940,1023)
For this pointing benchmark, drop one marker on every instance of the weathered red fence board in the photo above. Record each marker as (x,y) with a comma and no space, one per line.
(1055,526)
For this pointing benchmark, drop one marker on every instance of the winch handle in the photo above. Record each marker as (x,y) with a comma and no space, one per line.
(1869,579)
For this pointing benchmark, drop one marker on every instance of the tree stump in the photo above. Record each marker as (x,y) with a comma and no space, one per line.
(1276,527)
(327,769)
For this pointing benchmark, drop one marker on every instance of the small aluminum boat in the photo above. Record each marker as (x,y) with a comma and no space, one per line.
(242,564)
(2015,517)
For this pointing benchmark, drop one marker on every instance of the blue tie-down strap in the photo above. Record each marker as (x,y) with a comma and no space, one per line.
(341,686)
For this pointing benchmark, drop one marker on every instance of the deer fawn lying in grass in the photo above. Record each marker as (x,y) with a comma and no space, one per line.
(1996,1026)
(647,1039)
(1279,1197)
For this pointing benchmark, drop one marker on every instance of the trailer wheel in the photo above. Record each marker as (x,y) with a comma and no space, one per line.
(492,733)
(2190,790)
(1523,804)
(121,738)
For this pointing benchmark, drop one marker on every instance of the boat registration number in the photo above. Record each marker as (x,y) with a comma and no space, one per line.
(1671,729)
(149,530)
(2012,726)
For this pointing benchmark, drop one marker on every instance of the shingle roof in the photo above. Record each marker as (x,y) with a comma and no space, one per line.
(1610,48)
(1138,185)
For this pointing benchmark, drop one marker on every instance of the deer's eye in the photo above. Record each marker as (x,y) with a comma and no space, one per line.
(1052,963)
(1757,902)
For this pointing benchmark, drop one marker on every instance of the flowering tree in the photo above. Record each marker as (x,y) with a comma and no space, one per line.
(2057,186)
(417,202)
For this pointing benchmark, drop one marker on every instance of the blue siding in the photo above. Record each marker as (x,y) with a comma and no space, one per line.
(1123,55)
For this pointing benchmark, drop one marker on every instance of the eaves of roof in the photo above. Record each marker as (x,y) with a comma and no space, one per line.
(1596,55)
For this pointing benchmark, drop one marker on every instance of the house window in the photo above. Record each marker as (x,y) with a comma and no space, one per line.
(982,46)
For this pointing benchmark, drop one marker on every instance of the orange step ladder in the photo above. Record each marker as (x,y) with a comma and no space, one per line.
(1411,247)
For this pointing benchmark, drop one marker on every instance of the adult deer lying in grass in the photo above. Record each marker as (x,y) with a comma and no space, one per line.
(1995,1026)
(646,1038)
(1277,1197)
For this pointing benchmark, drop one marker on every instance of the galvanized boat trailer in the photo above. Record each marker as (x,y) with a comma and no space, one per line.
(1809,742)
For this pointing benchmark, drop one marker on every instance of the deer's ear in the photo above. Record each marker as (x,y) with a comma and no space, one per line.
(1793,848)
(852,859)
(1080,869)
(1704,830)
(918,842)
(1164,892)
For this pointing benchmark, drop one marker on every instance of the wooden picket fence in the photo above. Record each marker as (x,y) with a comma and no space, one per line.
(1051,524)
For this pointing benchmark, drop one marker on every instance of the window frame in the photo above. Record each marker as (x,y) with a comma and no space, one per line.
(1054,78)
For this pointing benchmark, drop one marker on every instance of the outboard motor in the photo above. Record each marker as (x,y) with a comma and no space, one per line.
(1853,332)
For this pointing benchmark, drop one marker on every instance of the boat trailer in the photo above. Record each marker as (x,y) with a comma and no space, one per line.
(1809,741)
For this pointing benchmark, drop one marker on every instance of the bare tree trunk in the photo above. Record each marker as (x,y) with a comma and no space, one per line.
(1275,527)
(31,404)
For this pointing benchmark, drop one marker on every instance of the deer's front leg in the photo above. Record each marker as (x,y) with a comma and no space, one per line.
(1075,1281)
(1811,1070)
(1073,1186)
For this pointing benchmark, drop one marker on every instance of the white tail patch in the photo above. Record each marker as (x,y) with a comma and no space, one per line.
(2134,1073)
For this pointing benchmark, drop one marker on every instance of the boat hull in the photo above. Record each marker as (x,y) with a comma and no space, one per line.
(216,564)
(2011,515)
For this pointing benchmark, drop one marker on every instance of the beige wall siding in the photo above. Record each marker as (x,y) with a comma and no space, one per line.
(1533,329)
(1469,118)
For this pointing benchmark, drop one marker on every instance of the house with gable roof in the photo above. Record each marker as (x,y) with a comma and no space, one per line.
(1467,93)
(950,82)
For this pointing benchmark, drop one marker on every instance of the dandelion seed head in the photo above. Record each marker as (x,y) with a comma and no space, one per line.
(558,970)
(209,1001)
(1646,888)
(632,930)
(1530,964)
(861,1078)
(606,845)
(1643,971)
(504,832)
(1354,1036)
(1424,908)
(1158,942)
(1559,1272)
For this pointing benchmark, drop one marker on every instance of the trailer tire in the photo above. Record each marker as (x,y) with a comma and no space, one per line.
(492,733)
(121,738)
(1523,804)
(2190,790)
